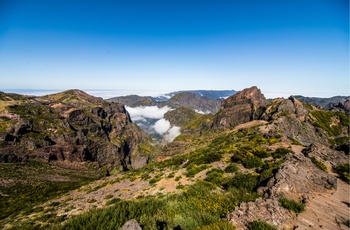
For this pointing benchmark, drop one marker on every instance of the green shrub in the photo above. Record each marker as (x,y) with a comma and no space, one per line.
(319,164)
(231,168)
(113,201)
(260,225)
(241,181)
(261,152)
(292,205)
(215,176)
(192,170)
(222,225)
(109,196)
(281,152)
(155,180)
(343,171)
(252,162)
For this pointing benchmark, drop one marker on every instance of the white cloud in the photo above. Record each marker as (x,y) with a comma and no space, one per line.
(172,133)
(152,112)
(153,117)
(161,126)
(202,112)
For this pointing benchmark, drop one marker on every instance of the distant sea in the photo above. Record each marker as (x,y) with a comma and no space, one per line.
(105,94)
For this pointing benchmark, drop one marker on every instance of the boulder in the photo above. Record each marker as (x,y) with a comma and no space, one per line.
(131,225)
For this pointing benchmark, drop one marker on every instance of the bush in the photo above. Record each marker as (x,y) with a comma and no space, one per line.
(155,180)
(292,205)
(242,181)
(343,171)
(260,225)
(252,162)
(222,225)
(231,168)
(319,164)
(192,170)
(215,176)
(281,152)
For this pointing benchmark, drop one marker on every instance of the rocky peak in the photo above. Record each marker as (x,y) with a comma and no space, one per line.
(247,105)
(72,126)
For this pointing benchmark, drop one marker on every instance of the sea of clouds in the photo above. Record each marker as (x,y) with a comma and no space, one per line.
(151,119)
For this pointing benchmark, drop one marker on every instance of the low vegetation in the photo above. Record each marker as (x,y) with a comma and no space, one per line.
(260,225)
(343,171)
(292,205)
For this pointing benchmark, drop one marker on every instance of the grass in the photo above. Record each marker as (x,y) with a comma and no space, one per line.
(319,164)
(35,184)
(260,225)
(292,205)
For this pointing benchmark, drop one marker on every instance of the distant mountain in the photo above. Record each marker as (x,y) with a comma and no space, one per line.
(211,94)
(322,102)
(207,101)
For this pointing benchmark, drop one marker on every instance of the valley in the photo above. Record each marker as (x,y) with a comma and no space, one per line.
(74,161)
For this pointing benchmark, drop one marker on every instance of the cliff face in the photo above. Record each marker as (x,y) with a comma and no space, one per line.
(70,126)
(240,108)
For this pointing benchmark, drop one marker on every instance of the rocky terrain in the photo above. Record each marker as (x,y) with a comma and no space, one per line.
(255,164)
(70,126)
(203,101)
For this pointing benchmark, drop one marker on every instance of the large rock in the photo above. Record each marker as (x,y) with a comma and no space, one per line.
(326,155)
(268,210)
(247,105)
(298,178)
(131,225)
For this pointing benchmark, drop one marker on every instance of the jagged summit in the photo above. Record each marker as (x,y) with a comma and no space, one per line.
(242,107)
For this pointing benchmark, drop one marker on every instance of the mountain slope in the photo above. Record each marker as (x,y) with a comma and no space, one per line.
(262,166)
(70,126)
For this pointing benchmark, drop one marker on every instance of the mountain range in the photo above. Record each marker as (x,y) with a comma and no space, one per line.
(73,161)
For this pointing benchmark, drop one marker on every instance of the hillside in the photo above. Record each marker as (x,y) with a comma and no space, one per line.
(254,163)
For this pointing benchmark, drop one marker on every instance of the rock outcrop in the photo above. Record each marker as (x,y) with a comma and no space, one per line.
(268,210)
(297,179)
(326,155)
(71,126)
(247,105)
(131,225)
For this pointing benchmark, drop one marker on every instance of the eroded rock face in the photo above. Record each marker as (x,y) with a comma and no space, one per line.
(290,118)
(297,178)
(240,108)
(326,155)
(268,210)
(72,126)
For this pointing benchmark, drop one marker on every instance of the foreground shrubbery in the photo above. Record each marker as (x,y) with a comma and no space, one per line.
(200,206)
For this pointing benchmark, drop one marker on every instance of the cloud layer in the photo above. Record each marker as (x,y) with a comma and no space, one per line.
(151,119)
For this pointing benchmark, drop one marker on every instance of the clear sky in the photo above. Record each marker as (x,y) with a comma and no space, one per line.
(284,47)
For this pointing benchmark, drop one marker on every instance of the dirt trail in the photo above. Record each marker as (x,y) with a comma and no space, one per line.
(327,210)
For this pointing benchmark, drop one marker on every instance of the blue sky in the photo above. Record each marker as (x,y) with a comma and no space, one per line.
(283,47)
